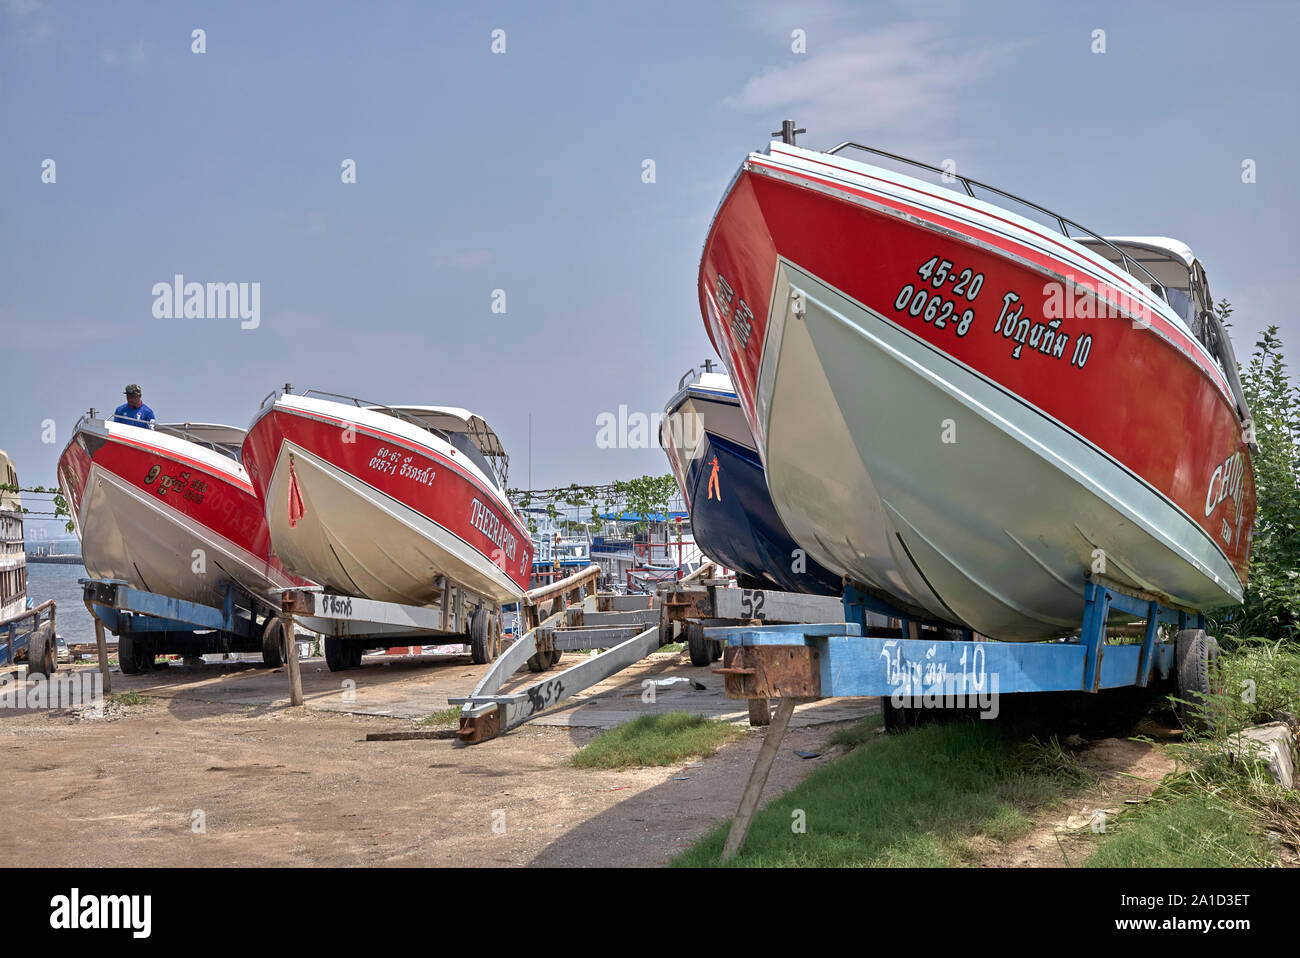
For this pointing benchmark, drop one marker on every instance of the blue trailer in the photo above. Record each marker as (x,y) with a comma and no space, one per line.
(148,625)
(923,665)
(30,637)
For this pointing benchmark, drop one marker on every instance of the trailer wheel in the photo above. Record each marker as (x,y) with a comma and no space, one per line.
(356,652)
(337,655)
(700,647)
(1198,678)
(900,718)
(273,649)
(555,657)
(480,650)
(40,653)
(133,656)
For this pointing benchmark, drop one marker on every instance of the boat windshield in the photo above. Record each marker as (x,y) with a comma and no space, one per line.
(465,445)
(225,440)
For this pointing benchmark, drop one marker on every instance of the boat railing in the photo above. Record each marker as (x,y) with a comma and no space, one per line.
(1214,337)
(1062,223)
(499,463)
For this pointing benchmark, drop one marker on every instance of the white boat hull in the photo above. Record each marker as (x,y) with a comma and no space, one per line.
(930,453)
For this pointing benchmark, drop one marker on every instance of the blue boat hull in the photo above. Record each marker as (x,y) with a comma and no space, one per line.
(738,526)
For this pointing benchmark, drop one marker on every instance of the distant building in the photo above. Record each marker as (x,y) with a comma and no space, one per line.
(13,559)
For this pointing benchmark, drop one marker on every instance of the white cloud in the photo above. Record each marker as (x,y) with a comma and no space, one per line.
(20,8)
(899,83)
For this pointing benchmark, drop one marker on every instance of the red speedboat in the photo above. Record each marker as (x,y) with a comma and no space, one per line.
(389,503)
(169,510)
(966,411)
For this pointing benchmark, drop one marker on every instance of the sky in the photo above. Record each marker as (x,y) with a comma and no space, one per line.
(523,170)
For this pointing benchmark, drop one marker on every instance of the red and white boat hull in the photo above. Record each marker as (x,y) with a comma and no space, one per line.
(166,515)
(968,473)
(371,506)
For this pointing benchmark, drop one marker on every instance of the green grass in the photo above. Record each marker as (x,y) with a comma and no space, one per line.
(860,733)
(446,717)
(914,799)
(1216,812)
(673,647)
(663,739)
(128,699)
(1187,825)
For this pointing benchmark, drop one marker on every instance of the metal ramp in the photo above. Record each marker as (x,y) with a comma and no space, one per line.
(627,627)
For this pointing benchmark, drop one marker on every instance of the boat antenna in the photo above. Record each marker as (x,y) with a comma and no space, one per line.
(708,365)
(288,388)
(787,133)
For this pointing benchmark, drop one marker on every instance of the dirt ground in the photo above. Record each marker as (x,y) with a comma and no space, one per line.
(213,768)
(273,785)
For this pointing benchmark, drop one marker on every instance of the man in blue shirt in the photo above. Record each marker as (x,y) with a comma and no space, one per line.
(134,412)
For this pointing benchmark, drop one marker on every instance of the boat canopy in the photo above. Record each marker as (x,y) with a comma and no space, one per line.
(464,430)
(227,440)
(1170,268)
(1166,264)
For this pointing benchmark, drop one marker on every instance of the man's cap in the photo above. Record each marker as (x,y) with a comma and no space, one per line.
(133,390)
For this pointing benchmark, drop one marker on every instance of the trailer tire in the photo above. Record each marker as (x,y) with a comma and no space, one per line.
(40,653)
(133,657)
(700,648)
(273,647)
(337,654)
(900,718)
(555,657)
(356,652)
(1197,676)
(480,650)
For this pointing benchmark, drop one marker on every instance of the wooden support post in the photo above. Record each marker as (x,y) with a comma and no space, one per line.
(760,712)
(102,644)
(758,779)
(290,634)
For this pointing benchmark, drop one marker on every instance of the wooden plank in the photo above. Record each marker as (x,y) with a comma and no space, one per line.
(410,736)
(290,633)
(758,779)
(102,647)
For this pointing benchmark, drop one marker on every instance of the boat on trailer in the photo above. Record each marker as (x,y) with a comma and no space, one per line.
(393,504)
(717,466)
(967,411)
(169,510)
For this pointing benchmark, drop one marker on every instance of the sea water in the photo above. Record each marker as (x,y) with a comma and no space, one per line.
(50,580)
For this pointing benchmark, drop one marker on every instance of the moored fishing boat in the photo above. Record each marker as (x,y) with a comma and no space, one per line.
(391,503)
(965,410)
(713,457)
